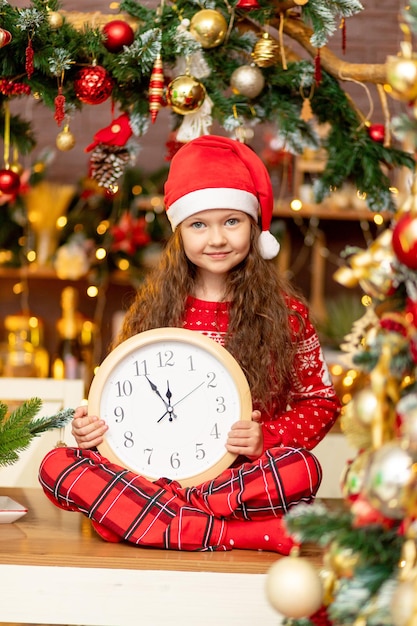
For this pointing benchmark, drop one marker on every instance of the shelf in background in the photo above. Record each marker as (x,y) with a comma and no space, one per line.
(328,212)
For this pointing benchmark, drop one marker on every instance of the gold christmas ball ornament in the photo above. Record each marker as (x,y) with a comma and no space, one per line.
(17,168)
(209,28)
(65,140)
(247,80)
(402,77)
(55,20)
(342,560)
(294,587)
(266,51)
(354,477)
(185,94)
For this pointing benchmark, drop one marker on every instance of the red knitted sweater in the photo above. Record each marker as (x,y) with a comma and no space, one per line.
(312,406)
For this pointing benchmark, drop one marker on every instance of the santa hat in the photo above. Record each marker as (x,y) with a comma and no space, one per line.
(213,172)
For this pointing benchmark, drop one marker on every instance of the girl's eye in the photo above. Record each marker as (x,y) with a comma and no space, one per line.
(197,225)
(232,221)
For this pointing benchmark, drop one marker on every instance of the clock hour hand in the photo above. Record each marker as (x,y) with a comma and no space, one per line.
(156,390)
(170,408)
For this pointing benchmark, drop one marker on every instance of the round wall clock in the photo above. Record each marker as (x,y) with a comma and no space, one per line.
(169,397)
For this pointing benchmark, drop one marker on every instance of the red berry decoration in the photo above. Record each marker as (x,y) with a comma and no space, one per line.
(117,34)
(93,84)
(9,181)
(377,132)
(404,240)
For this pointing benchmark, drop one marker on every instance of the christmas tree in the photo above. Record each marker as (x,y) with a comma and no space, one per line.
(238,64)
(369,567)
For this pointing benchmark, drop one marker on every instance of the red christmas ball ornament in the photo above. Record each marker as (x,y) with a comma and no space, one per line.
(116,35)
(404,240)
(377,132)
(9,181)
(93,84)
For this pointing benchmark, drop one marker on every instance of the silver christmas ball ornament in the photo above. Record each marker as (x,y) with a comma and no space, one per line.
(247,80)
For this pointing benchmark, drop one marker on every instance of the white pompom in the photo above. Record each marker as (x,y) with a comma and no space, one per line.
(268,245)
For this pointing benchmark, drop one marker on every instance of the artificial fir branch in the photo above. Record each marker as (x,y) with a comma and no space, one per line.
(315,523)
(18,429)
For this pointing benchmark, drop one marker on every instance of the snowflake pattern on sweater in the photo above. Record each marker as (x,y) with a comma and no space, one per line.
(312,406)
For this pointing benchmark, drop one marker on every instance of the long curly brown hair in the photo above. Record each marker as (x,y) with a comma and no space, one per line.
(259,335)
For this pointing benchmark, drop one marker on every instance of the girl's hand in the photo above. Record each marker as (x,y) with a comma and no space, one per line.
(88,430)
(246,437)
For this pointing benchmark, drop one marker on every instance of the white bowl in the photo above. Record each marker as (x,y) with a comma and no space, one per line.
(10,510)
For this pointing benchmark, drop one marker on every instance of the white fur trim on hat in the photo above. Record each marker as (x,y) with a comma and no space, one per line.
(212,198)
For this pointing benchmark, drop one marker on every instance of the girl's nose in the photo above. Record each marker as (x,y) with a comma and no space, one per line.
(217,237)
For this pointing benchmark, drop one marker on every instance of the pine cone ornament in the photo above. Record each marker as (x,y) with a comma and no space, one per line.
(107,164)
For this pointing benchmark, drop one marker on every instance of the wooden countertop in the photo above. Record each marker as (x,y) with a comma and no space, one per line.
(50,536)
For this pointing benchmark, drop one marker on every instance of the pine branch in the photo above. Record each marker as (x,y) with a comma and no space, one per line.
(18,429)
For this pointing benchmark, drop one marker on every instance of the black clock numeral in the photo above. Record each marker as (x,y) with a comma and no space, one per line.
(191,362)
(148,452)
(128,439)
(215,431)
(199,452)
(221,407)
(141,368)
(124,388)
(119,414)
(166,359)
(175,460)
(211,380)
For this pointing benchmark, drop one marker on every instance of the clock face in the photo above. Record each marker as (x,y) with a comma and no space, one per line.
(169,397)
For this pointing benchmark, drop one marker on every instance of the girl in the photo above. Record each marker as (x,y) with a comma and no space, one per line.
(216,277)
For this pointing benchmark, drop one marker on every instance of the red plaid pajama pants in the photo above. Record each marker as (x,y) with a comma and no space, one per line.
(243,507)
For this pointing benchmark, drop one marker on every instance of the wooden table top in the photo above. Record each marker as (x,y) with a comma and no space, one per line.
(49,536)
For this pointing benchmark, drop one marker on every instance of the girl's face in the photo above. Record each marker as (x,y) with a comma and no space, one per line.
(216,240)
